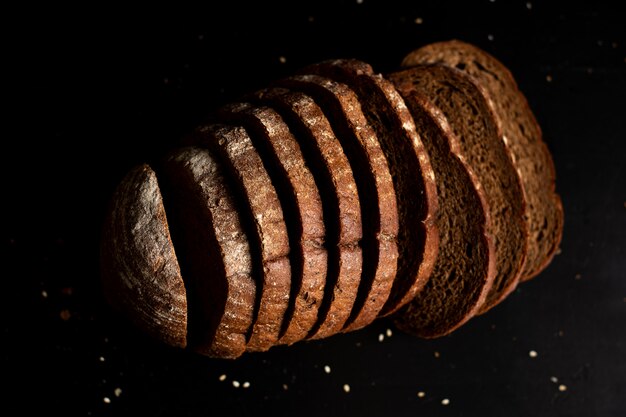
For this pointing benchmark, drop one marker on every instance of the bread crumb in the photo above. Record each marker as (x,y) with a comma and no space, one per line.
(437,354)
(554,379)
(246,384)
(327,369)
(549,78)
(529,5)
(282,59)
(236,384)
(285,387)
(490,37)
(65,315)
(559,251)
(101,359)
(222,377)
(44,293)
(421,394)
(418,20)
(388,333)
(106,400)
(346,388)
(117,392)
(562,388)
(532,354)
(445,401)
(381,337)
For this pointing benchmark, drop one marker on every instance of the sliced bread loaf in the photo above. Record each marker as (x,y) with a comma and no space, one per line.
(467,109)
(374,186)
(340,202)
(302,210)
(141,277)
(214,252)
(411,172)
(465,265)
(262,219)
(532,158)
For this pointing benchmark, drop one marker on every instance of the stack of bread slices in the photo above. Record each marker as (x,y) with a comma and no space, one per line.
(334,197)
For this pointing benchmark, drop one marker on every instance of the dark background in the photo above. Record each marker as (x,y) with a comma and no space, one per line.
(91,92)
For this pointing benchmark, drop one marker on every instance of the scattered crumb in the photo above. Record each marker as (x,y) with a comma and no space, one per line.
(532,354)
(106,400)
(44,293)
(437,354)
(327,369)
(445,401)
(577,276)
(65,315)
(285,387)
(101,359)
(117,392)
(559,251)
(236,384)
(554,379)
(282,59)
(222,377)
(388,333)
(490,37)
(381,337)
(418,20)
(549,78)
(346,388)
(529,5)
(562,388)
(421,394)
(246,384)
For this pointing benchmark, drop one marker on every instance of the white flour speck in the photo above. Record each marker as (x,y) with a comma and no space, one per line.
(532,354)
(346,388)
(554,379)
(381,337)
(388,333)
(236,384)
(445,401)
(117,392)
(246,384)
(562,388)
(106,400)
(327,369)
(222,377)
(421,394)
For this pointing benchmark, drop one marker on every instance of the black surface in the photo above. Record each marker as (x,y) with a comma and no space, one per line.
(92,92)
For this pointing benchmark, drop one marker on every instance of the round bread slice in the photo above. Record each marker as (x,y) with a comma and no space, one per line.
(411,172)
(302,210)
(214,252)
(470,116)
(465,267)
(262,219)
(340,202)
(374,186)
(544,213)
(141,277)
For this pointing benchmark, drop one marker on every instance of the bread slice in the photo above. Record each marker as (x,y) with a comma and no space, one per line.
(467,110)
(214,252)
(411,172)
(302,210)
(531,155)
(340,202)
(141,277)
(374,186)
(465,267)
(262,218)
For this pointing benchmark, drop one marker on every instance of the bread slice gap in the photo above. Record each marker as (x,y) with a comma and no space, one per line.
(465,267)
(340,203)
(214,251)
(141,277)
(470,116)
(302,210)
(262,218)
(374,187)
(411,172)
(544,213)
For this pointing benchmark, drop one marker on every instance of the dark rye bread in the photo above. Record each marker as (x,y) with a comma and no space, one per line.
(411,172)
(374,186)
(214,252)
(469,114)
(340,202)
(140,273)
(262,218)
(465,265)
(302,210)
(544,214)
